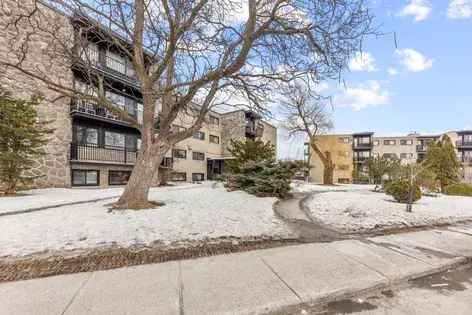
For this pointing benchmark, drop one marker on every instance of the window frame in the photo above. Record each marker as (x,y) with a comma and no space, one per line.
(196,180)
(198,153)
(179,150)
(214,137)
(406,142)
(86,171)
(198,132)
(212,119)
(389,142)
(178,180)
(122,171)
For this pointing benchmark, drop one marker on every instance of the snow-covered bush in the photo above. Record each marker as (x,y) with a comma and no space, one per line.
(400,191)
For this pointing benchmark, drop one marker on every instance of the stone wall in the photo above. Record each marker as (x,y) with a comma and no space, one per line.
(46,59)
(233,127)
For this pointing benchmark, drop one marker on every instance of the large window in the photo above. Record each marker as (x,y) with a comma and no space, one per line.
(467,138)
(214,139)
(214,120)
(389,142)
(198,156)
(114,140)
(198,177)
(199,135)
(406,155)
(406,142)
(179,176)
(86,135)
(85,177)
(179,153)
(118,177)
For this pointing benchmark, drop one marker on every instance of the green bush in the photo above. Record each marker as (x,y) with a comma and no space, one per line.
(400,191)
(264,178)
(461,189)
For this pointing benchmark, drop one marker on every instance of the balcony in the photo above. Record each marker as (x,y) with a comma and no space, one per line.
(362,146)
(464,144)
(87,153)
(422,148)
(254,129)
(118,68)
(361,159)
(92,109)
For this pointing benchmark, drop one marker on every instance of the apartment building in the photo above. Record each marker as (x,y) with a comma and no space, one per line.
(351,151)
(92,146)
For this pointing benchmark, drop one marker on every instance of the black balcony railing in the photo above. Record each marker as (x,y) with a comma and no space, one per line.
(100,60)
(421,148)
(89,153)
(91,108)
(463,144)
(363,145)
(256,130)
(361,158)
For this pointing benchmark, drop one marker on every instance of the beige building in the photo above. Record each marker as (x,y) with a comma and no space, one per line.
(355,149)
(90,145)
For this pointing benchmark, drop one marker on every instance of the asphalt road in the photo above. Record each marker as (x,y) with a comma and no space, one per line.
(448,293)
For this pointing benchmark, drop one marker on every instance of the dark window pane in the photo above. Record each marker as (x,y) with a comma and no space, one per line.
(118,177)
(198,177)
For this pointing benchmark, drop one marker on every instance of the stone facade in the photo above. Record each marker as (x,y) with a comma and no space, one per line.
(45,60)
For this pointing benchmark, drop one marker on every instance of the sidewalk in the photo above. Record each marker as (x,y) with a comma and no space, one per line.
(245,283)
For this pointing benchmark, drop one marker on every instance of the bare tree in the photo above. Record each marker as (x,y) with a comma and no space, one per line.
(188,52)
(306,112)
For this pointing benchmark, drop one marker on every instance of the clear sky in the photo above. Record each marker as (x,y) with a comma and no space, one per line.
(423,84)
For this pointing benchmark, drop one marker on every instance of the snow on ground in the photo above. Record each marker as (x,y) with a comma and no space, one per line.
(48,197)
(361,209)
(302,187)
(192,212)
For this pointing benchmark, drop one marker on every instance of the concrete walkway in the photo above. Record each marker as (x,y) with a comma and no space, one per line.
(245,283)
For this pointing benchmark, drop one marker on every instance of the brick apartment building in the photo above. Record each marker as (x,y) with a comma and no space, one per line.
(91,146)
(351,151)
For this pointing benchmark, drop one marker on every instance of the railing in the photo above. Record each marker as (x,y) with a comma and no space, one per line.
(460,143)
(104,62)
(362,145)
(361,158)
(167,162)
(466,159)
(257,130)
(421,148)
(80,152)
(93,109)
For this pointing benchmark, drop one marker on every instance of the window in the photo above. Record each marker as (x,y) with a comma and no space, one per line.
(363,140)
(198,177)
(198,156)
(406,142)
(118,177)
(390,155)
(199,135)
(214,139)
(86,135)
(389,142)
(179,153)
(114,140)
(177,128)
(214,120)
(89,54)
(467,138)
(406,155)
(85,177)
(376,142)
(179,176)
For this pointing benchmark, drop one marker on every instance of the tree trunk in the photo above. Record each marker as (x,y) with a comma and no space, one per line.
(136,191)
(328,176)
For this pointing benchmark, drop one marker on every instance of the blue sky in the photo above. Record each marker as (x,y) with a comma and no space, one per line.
(424,84)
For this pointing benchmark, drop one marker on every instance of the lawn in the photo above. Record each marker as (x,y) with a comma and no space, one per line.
(356,208)
(192,212)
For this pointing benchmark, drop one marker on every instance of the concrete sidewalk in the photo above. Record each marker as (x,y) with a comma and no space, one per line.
(245,283)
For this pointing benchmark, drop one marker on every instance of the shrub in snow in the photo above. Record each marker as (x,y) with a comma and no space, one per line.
(400,191)
(461,189)
(264,178)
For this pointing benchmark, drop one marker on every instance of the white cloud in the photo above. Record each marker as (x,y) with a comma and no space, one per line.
(362,61)
(367,94)
(392,71)
(459,9)
(419,9)
(413,60)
